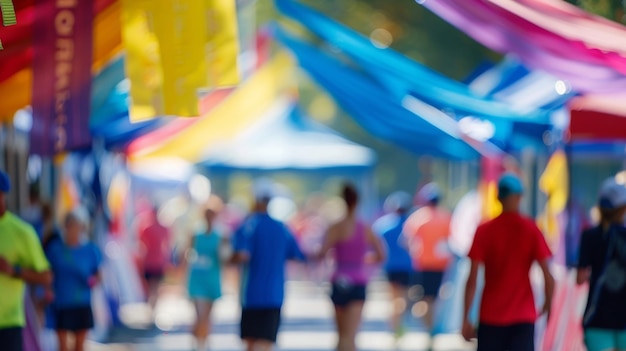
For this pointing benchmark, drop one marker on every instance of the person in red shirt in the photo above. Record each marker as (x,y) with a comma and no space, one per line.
(155,254)
(507,247)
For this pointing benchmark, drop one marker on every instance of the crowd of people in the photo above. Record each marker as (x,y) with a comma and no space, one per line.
(410,245)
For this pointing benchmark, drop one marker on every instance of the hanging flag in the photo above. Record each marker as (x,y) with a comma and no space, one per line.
(143,63)
(62,40)
(180,27)
(223,43)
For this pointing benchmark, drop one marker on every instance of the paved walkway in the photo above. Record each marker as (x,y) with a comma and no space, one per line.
(307,325)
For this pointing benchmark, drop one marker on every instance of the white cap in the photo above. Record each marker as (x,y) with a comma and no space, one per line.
(429,192)
(612,195)
(263,189)
(397,201)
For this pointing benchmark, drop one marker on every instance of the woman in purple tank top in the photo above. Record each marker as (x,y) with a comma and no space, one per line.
(351,240)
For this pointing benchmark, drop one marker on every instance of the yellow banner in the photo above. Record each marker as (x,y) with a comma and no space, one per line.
(143,64)
(223,43)
(180,26)
(243,107)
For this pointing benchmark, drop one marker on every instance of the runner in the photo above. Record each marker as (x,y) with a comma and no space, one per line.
(351,239)
(75,264)
(506,247)
(427,231)
(398,267)
(262,245)
(21,261)
(155,253)
(204,281)
(602,262)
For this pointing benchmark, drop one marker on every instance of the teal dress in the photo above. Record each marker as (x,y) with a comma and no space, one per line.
(204,281)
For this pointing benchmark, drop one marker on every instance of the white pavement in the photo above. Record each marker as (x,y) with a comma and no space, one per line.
(307,325)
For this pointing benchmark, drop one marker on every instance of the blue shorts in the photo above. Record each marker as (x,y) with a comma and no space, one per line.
(605,339)
(11,339)
(430,281)
(342,294)
(403,278)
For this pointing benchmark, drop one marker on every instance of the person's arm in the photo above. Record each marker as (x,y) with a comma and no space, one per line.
(377,244)
(548,286)
(327,243)
(28,275)
(583,270)
(469,331)
(241,238)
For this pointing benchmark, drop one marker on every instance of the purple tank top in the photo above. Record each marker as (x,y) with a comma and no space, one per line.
(350,267)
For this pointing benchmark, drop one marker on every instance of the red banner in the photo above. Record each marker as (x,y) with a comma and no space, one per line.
(63,40)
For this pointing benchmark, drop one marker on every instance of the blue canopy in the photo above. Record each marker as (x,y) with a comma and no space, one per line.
(375,110)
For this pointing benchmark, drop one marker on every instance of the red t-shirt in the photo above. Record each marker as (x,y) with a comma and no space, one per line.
(507,246)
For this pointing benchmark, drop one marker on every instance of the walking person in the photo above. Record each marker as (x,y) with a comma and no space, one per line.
(602,263)
(262,246)
(351,239)
(204,281)
(75,263)
(398,266)
(427,231)
(506,247)
(22,261)
(155,254)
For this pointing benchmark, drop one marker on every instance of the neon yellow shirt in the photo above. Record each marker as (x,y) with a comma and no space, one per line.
(20,245)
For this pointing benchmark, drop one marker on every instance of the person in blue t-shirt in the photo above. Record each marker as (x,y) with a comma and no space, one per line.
(75,264)
(398,266)
(262,245)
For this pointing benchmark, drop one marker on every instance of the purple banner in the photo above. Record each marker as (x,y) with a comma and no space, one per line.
(63,39)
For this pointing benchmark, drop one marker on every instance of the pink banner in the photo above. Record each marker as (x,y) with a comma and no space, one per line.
(62,41)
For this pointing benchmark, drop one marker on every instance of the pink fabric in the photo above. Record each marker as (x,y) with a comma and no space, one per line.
(588,65)
(155,240)
(350,257)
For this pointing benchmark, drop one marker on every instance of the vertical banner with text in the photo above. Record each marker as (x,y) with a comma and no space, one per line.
(62,40)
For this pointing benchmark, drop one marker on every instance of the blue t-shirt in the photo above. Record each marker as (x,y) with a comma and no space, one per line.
(389,227)
(72,268)
(270,244)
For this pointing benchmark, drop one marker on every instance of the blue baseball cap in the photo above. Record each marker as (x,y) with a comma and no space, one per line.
(5,182)
(509,184)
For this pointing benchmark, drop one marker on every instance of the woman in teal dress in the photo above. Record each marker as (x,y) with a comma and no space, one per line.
(204,281)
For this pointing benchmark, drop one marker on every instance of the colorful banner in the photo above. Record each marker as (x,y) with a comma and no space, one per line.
(223,43)
(180,27)
(62,76)
(8,15)
(143,63)
(177,50)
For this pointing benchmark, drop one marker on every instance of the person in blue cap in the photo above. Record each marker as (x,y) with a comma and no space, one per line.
(506,247)
(22,261)
(602,263)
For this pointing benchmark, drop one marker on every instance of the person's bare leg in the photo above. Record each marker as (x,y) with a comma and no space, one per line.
(398,303)
(250,344)
(79,340)
(340,313)
(62,338)
(264,345)
(203,322)
(153,292)
(429,315)
(352,322)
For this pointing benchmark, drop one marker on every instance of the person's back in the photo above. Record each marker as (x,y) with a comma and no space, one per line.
(429,227)
(270,246)
(350,254)
(155,240)
(509,246)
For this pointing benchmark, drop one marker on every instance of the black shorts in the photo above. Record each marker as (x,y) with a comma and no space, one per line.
(260,323)
(153,274)
(73,318)
(403,278)
(430,282)
(516,337)
(343,295)
(11,339)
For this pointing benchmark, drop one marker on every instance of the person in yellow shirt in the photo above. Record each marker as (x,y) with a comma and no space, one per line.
(427,231)
(22,261)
